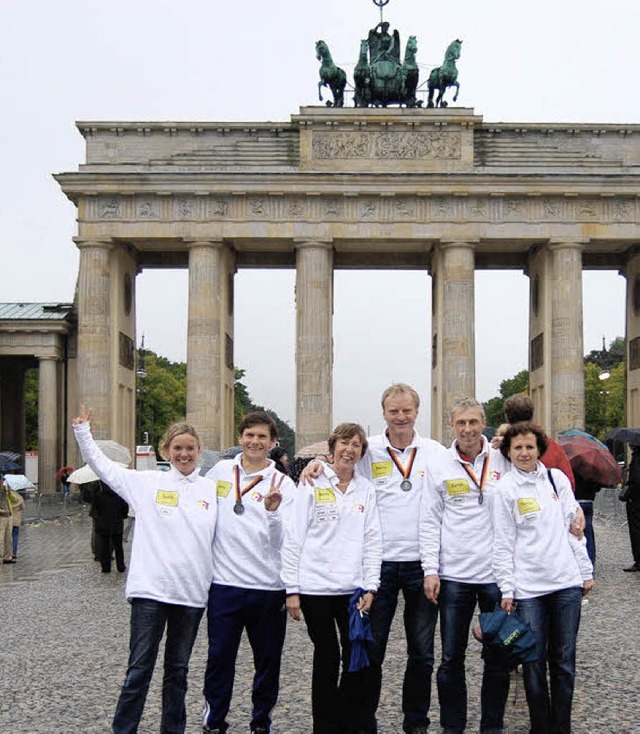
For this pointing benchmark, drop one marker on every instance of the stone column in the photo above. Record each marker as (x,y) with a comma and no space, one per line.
(453,359)
(632,274)
(567,351)
(314,341)
(205,341)
(94,334)
(48,424)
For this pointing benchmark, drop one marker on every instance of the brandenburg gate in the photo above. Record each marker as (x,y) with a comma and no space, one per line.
(438,190)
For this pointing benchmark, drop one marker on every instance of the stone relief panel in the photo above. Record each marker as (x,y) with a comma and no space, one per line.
(109,207)
(219,207)
(387,145)
(184,207)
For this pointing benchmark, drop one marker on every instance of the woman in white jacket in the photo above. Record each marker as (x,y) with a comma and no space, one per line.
(544,569)
(170,569)
(332,548)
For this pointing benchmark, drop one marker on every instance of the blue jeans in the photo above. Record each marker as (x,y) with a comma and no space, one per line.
(420,618)
(457,603)
(262,613)
(148,621)
(555,619)
(587,508)
(15,534)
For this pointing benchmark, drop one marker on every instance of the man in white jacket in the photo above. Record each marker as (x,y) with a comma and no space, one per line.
(247,591)
(456,538)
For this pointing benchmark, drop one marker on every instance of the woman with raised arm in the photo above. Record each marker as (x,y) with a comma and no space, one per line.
(170,568)
(332,551)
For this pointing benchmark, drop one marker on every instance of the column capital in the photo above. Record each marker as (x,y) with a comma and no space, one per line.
(213,242)
(466,242)
(84,243)
(568,243)
(309,242)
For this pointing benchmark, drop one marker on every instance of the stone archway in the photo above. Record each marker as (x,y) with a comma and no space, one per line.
(439,190)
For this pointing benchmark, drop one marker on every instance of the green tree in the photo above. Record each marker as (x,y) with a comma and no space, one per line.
(31,383)
(494,408)
(604,400)
(162,396)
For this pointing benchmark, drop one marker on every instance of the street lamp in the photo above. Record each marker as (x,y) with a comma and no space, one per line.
(141,373)
(604,375)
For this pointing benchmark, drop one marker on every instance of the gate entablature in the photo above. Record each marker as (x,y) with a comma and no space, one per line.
(439,190)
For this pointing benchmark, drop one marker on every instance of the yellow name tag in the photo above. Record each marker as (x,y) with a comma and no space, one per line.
(223,488)
(381,469)
(165,497)
(325,495)
(527,505)
(456,487)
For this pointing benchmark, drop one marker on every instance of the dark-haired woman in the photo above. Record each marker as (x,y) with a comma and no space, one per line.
(544,569)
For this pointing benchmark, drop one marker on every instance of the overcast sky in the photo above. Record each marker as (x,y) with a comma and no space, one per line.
(552,60)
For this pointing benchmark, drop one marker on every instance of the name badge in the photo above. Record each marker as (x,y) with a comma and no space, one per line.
(381,469)
(325,495)
(167,498)
(223,488)
(457,487)
(527,505)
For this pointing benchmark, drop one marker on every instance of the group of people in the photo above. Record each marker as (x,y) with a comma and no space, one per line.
(448,528)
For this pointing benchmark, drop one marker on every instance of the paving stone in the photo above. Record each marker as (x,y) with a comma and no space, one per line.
(65,631)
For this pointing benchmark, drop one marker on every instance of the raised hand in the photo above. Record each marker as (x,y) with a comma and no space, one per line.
(84,416)
(273,497)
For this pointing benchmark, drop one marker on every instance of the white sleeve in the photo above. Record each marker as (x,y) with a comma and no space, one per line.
(295,531)
(431,511)
(116,476)
(372,550)
(504,541)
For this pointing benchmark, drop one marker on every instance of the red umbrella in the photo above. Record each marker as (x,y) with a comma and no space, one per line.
(590,461)
(63,471)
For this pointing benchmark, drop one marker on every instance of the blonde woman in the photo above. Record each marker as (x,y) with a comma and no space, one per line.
(170,568)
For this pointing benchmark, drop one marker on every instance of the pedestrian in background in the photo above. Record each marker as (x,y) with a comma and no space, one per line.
(17,510)
(633,508)
(5,523)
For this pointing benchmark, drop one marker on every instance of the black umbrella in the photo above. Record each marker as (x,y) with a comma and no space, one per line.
(9,460)
(626,435)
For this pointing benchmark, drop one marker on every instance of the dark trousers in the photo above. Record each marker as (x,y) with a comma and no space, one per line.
(104,543)
(420,618)
(457,604)
(587,508)
(555,619)
(262,614)
(148,621)
(633,518)
(337,701)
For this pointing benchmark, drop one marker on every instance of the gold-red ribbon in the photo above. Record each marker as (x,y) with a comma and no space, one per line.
(241,493)
(405,471)
(483,476)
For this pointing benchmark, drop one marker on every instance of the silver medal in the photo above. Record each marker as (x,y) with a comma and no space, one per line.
(238,508)
(405,485)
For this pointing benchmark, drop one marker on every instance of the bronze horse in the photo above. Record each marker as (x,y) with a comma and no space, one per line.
(331,76)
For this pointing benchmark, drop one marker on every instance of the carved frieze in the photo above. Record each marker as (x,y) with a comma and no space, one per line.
(428,145)
(349,207)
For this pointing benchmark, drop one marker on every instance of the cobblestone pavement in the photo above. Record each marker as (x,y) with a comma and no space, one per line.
(65,635)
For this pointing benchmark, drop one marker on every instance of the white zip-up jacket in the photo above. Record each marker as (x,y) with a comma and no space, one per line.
(333,543)
(456,530)
(399,510)
(171,555)
(533,552)
(247,547)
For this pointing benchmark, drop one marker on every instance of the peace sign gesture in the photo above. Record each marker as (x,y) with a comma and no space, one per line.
(273,498)
(84,416)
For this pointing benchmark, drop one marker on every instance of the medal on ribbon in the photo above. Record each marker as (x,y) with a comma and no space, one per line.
(238,507)
(405,484)
(483,478)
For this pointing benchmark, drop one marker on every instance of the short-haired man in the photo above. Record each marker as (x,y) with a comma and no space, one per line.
(396,463)
(246,590)
(456,539)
